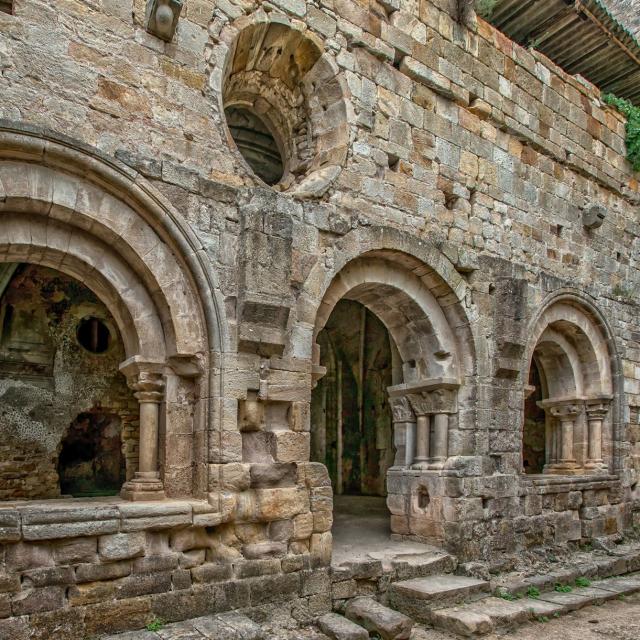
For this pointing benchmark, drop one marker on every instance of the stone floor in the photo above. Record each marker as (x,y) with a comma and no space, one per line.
(361,532)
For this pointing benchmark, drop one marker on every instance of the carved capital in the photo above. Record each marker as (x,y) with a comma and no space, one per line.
(597,408)
(565,411)
(148,386)
(434,401)
(401,410)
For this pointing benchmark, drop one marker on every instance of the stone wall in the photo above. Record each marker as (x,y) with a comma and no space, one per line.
(445,179)
(48,379)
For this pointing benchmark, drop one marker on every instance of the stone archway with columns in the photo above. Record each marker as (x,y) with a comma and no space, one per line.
(434,380)
(68,208)
(572,349)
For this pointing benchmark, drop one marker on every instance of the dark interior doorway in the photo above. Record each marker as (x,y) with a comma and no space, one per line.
(350,413)
(91,461)
(533,437)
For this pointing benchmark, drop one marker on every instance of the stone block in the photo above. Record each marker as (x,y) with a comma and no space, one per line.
(121,546)
(376,618)
(291,446)
(75,551)
(36,600)
(338,627)
(48,576)
(95,572)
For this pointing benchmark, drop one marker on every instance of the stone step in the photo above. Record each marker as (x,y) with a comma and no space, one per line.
(338,627)
(419,596)
(376,618)
(486,615)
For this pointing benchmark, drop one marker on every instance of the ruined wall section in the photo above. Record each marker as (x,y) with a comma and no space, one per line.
(47,379)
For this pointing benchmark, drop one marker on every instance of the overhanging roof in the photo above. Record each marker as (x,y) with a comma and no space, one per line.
(580,36)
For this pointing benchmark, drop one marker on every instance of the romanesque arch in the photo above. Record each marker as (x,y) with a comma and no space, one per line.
(99,222)
(418,296)
(571,371)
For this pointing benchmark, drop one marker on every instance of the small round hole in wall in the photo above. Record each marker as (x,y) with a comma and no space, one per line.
(93,335)
(256,143)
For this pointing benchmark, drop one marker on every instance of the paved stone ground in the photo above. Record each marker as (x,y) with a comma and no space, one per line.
(616,620)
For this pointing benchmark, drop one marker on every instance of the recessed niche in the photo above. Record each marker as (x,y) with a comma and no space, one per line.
(93,335)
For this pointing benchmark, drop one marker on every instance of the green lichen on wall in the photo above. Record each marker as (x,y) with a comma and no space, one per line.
(48,379)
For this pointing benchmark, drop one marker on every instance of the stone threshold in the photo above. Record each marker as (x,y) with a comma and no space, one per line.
(75,517)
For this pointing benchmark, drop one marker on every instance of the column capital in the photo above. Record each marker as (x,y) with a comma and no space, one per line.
(429,396)
(145,378)
(565,409)
(401,409)
(597,407)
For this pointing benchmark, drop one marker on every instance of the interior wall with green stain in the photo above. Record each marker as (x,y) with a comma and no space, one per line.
(351,424)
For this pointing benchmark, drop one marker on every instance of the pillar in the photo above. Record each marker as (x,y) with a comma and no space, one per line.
(596,413)
(565,414)
(440,451)
(148,386)
(404,431)
(423,436)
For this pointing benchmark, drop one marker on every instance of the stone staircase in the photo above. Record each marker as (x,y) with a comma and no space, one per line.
(468,606)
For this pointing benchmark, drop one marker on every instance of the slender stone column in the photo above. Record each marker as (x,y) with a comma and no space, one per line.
(146,483)
(596,413)
(423,436)
(440,440)
(566,414)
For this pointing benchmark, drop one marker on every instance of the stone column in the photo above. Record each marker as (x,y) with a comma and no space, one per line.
(404,431)
(440,451)
(596,413)
(566,415)
(149,391)
(423,436)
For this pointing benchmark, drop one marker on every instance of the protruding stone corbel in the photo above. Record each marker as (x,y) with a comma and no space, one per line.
(162,18)
(146,380)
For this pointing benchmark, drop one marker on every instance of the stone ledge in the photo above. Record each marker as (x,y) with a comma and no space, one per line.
(59,519)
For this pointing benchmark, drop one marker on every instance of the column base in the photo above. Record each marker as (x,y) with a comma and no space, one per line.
(421,465)
(563,468)
(596,467)
(145,485)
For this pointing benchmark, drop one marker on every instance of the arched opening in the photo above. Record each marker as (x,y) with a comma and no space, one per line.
(567,428)
(285,104)
(58,372)
(352,423)
(388,313)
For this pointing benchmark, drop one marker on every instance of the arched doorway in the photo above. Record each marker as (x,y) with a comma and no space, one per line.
(353,429)
(568,426)
(431,355)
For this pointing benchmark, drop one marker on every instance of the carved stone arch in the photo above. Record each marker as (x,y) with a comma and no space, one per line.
(414,261)
(66,206)
(573,347)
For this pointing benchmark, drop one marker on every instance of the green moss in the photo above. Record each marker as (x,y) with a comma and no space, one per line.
(485,8)
(632,127)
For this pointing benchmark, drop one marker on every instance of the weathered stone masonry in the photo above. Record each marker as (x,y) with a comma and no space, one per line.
(434,172)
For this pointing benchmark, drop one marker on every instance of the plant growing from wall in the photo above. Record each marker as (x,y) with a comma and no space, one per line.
(632,128)
(485,8)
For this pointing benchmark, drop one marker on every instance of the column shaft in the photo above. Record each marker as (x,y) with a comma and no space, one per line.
(440,438)
(422,441)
